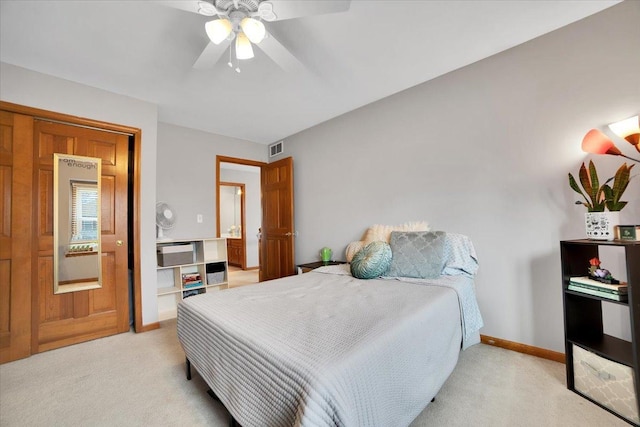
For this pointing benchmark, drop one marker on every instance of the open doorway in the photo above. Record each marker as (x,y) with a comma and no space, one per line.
(239,216)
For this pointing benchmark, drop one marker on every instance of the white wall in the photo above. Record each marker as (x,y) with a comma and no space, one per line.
(186,175)
(483,151)
(25,87)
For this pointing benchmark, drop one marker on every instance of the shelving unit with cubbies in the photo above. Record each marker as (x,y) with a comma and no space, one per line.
(180,262)
(598,363)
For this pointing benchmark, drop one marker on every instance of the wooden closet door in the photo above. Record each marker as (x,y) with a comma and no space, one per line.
(16,176)
(64,319)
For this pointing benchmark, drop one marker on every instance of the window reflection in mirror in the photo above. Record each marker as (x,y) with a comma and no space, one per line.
(76,232)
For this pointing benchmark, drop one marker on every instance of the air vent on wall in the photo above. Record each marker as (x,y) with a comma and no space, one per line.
(275,148)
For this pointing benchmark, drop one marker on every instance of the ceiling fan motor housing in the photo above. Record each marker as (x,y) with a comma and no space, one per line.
(236,16)
(249,6)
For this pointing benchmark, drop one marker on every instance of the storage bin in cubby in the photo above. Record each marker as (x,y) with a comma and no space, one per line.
(609,383)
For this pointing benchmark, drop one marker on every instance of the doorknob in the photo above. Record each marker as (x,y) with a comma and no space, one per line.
(119,242)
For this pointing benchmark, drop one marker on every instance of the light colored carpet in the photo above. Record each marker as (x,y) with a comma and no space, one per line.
(138,380)
(239,277)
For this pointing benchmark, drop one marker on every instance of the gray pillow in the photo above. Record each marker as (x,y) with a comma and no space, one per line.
(418,254)
(371,261)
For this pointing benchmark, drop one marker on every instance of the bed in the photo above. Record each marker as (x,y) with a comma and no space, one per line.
(327,349)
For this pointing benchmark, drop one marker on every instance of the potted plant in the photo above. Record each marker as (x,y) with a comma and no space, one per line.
(599,198)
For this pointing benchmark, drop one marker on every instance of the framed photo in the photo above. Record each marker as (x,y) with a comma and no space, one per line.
(627,232)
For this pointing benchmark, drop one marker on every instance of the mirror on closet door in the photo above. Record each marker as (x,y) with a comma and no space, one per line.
(76,223)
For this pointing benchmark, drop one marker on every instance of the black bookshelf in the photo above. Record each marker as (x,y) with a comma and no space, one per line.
(583,313)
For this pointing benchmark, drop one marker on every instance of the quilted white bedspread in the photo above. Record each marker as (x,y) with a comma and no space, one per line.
(324,349)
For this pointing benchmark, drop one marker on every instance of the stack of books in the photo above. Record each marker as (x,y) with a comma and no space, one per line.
(586,285)
(191,280)
(193,292)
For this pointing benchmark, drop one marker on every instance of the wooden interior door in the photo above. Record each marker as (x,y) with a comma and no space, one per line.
(64,319)
(16,175)
(278,232)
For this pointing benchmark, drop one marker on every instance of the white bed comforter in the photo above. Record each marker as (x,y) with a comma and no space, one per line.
(324,349)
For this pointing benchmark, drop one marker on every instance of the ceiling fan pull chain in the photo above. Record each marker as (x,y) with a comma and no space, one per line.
(230,63)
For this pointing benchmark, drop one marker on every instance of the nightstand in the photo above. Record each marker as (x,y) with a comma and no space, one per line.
(305,268)
(595,361)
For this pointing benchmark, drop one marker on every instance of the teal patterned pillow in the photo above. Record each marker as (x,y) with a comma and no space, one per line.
(418,254)
(371,261)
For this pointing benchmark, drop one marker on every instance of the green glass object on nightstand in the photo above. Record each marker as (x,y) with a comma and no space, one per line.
(325,254)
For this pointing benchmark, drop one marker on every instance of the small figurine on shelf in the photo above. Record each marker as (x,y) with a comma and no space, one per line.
(600,274)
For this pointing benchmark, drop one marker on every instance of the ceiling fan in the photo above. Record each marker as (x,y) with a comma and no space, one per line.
(238,25)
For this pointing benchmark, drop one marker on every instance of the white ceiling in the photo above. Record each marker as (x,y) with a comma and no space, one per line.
(146,49)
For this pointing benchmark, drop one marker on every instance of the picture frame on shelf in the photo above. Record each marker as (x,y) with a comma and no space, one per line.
(627,232)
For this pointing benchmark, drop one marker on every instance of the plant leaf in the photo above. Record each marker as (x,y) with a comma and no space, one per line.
(621,181)
(574,185)
(584,180)
(595,183)
(617,206)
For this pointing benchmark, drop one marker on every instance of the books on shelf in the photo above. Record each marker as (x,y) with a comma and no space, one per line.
(598,293)
(191,280)
(193,292)
(586,285)
(192,284)
(594,284)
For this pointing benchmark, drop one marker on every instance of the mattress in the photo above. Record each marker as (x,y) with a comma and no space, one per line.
(322,349)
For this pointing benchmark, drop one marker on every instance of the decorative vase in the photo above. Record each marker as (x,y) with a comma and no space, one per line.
(600,225)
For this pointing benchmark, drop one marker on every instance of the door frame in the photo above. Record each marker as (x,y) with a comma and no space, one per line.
(134,133)
(238,161)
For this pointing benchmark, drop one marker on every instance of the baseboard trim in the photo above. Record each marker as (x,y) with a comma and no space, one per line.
(149,327)
(523,348)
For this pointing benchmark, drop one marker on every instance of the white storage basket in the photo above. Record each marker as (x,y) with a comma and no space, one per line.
(608,383)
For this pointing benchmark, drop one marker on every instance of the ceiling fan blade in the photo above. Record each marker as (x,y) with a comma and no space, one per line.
(186,5)
(286,9)
(280,55)
(210,56)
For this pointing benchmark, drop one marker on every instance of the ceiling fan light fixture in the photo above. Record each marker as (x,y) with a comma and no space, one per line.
(243,47)
(218,29)
(253,29)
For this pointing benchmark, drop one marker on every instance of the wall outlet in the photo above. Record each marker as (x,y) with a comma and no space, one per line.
(199,218)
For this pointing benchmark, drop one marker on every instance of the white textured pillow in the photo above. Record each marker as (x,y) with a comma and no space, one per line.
(352,248)
(383,232)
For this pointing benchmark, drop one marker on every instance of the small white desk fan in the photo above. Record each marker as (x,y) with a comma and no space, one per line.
(165,219)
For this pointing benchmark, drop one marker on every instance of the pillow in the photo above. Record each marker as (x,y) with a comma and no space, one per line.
(383,232)
(371,261)
(352,249)
(418,254)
